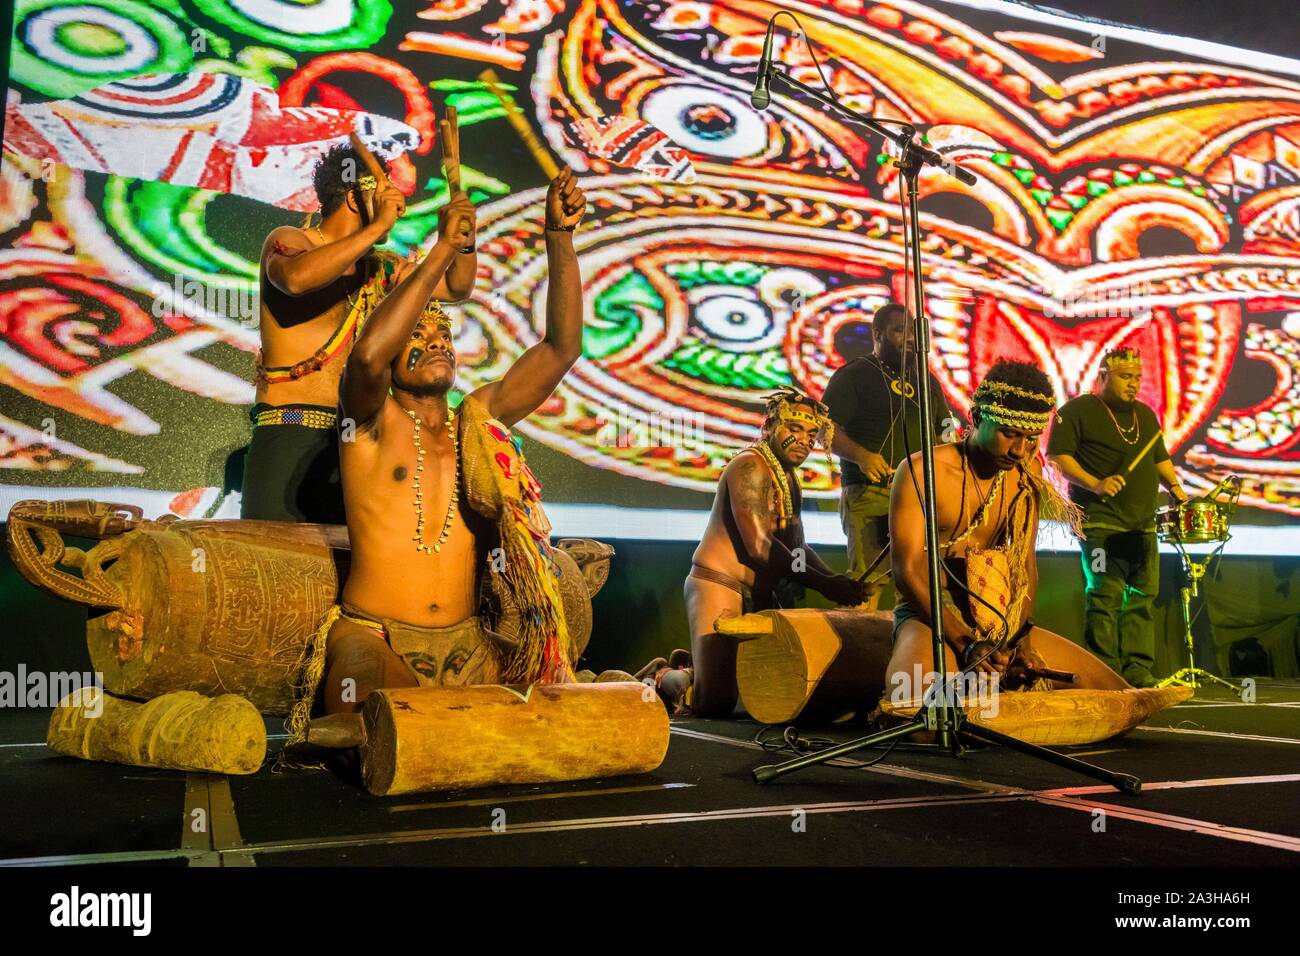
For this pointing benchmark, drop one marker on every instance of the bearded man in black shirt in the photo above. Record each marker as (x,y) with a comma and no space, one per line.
(1095,440)
(877,414)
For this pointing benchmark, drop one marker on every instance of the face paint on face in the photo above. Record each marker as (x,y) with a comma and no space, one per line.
(413,358)
(791,442)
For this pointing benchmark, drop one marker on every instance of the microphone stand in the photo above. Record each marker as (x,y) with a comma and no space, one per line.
(941,712)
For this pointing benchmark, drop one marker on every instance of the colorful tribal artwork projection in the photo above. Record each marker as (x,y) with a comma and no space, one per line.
(1131,192)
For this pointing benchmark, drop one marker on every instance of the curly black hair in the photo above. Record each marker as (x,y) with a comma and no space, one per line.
(1022,375)
(336,175)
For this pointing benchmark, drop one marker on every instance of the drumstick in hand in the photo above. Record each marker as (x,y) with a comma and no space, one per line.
(1143,453)
(516,119)
(450,130)
(872,566)
(1140,455)
(373,166)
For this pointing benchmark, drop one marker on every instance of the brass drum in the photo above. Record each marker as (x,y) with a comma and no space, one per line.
(1193,522)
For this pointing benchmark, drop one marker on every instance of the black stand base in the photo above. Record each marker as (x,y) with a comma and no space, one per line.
(926,719)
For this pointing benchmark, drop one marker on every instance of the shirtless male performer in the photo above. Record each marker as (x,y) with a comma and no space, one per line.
(990,488)
(409,607)
(318,287)
(753,539)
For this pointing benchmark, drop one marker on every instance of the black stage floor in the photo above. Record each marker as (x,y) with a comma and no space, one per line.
(1221,781)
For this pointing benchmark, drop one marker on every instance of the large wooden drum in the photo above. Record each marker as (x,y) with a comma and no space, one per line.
(446,738)
(809,664)
(218,607)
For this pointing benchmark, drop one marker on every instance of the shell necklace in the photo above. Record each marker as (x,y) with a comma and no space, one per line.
(418,537)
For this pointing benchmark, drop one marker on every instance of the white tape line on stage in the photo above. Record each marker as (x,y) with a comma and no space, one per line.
(87,859)
(1276,841)
(1179,784)
(532,797)
(1219,733)
(632,820)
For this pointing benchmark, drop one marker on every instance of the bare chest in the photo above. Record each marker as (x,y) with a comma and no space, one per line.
(973,514)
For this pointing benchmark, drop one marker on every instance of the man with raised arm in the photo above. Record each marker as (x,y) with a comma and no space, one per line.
(318,286)
(439,497)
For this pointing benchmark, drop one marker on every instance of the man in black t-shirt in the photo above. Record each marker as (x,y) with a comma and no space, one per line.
(1094,441)
(871,402)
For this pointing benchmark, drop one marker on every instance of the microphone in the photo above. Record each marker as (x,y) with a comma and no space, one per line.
(761,97)
(1230,483)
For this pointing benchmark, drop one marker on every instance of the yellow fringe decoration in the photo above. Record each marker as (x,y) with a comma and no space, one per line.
(1019,543)
(542,650)
(310,670)
(1054,506)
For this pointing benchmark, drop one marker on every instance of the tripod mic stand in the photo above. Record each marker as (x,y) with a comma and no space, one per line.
(1191,675)
(941,711)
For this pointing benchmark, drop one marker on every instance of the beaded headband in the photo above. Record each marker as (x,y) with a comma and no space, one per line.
(367,182)
(789,405)
(987,397)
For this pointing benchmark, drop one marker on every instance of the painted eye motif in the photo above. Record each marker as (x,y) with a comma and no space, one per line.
(752,318)
(707,120)
(711,122)
(739,312)
(737,319)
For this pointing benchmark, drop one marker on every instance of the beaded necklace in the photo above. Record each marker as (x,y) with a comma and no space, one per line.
(982,512)
(419,498)
(784,498)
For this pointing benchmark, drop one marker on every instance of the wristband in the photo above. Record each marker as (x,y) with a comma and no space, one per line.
(550,228)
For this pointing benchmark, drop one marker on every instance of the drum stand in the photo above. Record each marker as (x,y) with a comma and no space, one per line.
(941,710)
(1191,675)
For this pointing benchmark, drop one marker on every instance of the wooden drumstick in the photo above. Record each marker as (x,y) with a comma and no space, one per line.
(516,119)
(373,166)
(872,566)
(450,129)
(1143,453)
(1140,455)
